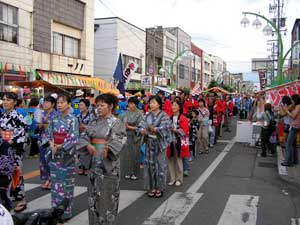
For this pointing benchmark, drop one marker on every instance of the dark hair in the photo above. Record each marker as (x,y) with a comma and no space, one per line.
(157,99)
(133,100)
(286,100)
(268,107)
(10,95)
(66,98)
(108,98)
(86,102)
(50,99)
(34,102)
(19,102)
(203,101)
(161,93)
(296,99)
(178,102)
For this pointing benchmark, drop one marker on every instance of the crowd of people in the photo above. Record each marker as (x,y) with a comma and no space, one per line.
(154,138)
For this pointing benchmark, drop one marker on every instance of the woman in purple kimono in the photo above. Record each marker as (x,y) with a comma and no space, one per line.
(63,133)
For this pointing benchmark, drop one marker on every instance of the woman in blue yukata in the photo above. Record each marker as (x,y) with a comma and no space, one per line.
(63,134)
(45,151)
(156,127)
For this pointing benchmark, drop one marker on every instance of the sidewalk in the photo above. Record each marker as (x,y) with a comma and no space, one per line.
(289,174)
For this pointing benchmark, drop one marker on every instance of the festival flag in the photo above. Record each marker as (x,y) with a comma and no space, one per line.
(5,68)
(21,72)
(1,68)
(118,76)
(37,75)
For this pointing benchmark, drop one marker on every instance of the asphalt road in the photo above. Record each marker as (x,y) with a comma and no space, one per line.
(231,185)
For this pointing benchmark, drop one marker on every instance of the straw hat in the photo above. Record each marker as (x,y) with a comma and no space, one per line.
(79,93)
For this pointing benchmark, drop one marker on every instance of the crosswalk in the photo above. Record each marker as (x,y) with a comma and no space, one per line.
(239,209)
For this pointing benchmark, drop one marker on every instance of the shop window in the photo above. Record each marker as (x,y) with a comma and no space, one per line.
(8,23)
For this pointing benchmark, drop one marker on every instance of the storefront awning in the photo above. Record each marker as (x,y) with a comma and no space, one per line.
(75,81)
(39,83)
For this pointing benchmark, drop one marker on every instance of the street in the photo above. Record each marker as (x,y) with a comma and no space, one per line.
(229,186)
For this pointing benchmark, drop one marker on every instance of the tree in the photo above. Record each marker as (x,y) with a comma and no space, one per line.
(213,83)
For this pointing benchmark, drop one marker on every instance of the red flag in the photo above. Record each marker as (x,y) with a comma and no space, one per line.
(5,68)
(41,74)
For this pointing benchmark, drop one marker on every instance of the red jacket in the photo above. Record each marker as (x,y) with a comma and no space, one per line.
(168,107)
(184,137)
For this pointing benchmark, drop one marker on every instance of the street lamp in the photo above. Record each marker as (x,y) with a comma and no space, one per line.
(267,31)
(256,23)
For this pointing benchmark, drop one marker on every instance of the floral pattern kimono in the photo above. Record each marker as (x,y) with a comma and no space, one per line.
(14,124)
(104,174)
(45,151)
(155,168)
(63,130)
(131,151)
(7,168)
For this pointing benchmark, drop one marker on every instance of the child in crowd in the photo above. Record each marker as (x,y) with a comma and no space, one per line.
(194,127)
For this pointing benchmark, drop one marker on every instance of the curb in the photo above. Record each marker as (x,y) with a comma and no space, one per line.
(289,174)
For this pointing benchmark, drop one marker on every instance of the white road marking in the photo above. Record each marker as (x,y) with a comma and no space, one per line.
(293,221)
(224,141)
(174,209)
(29,186)
(281,169)
(127,197)
(44,202)
(200,181)
(240,209)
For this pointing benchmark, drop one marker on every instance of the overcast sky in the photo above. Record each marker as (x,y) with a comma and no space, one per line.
(214,25)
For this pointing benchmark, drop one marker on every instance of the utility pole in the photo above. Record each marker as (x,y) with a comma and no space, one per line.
(278,43)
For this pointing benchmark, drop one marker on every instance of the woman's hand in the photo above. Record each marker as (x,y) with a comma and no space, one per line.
(92,150)
(143,132)
(105,152)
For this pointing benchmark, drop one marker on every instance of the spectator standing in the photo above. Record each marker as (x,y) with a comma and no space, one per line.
(291,155)
(203,129)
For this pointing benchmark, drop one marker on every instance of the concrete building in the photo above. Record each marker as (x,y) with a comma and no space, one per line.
(218,68)
(113,36)
(63,39)
(184,64)
(16,38)
(154,53)
(197,71)
(169,51)
(207,69)
(295,60)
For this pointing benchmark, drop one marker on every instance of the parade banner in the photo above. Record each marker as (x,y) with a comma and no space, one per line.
(275,94)
(129,71)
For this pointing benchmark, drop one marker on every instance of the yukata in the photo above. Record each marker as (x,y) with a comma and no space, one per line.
(131,153)
(83,155)
(7,168)
(193,134)
(104,174)
(155,165)
(12,124)
(45,151)
(64,131)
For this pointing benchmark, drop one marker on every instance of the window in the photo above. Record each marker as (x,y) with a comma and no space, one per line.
(181,71)
(127,59)
(8,23)
(168,65)
(57,43)
(170,44)
(181,47)
(65,45)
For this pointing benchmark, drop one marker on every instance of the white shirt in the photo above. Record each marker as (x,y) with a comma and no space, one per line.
(5,217)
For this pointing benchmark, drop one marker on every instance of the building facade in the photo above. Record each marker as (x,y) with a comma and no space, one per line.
(63,39)
(197,71)
(207,69)
(154,53)
(16,44)
(295,60)
(184,63)
(114,36)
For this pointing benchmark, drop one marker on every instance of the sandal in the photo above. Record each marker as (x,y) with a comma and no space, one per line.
(46,185)
(21,206)
(81,172)
(151,194)
(158,194)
